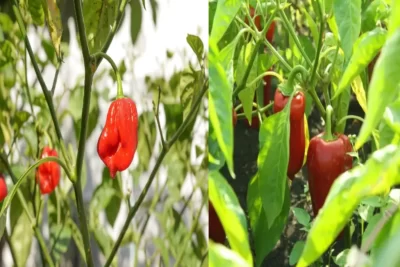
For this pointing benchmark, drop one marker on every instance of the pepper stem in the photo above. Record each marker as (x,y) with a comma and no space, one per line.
(120,92)
(288,89)
(328,136)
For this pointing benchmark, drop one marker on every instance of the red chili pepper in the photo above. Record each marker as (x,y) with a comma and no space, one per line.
(257,21)
(48,174)
(297,135)
(216,230)
(118,141)
(327,159)
(3,188)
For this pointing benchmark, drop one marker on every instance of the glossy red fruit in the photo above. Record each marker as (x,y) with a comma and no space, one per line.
(297,134)
(118,141)
(326,161)
(48,174)
(3,188)
(215,229)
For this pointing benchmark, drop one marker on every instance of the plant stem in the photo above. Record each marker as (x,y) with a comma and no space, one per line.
(321,32)
(350,117)
(261,76)
(255,112)
(120,93)
(188,237)
(248,69)
(153,173)
(328,125)
(292,76)
(21,198)
(294,36)
(89,69)
(82,218)
(114,28)
(46,92)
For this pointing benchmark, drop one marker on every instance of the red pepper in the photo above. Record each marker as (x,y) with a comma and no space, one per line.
(3,188)
(216,230)
(257,21)
(48,174)
(118,141)
(297,135)
(327,159)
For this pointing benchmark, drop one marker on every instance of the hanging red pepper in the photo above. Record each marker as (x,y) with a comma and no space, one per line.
(118,140)
(297,134)
(216,230)
(3,188)
(48,174)
(327,159)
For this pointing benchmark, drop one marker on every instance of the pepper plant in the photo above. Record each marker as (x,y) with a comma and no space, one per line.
(46,202)
(324,58)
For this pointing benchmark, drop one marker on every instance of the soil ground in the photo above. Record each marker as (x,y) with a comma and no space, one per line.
(245,161)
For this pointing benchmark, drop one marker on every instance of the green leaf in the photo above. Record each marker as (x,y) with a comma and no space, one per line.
(388,231)
(36,10)
(296,252)
(272,162)
(377,10)
(394,19)
(75,109)
(341,108)
(246,96)
(197,46)
(312,25)
(340,259)
(154,9)
(365,50)
(136,20)
(383,87)
(191,84)
(302,216)
(19,119)
(114,205)
(147,133)
(224,15)
(388,254)
(6,24)
(220,255)
(370,227)
(21,229)
(265,238)
(220,99)
(53,17)
(380,172)
(215,156)
(348,20)
(77,236)
(60,236)
(99,17)
(227,206)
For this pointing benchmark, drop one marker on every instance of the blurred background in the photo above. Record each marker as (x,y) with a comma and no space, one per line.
(150,50)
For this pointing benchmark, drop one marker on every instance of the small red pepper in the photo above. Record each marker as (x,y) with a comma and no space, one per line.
(118,141)
(297,134)
(257,21)
(215,229)
(327,159)
(48,174)
(3,188)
